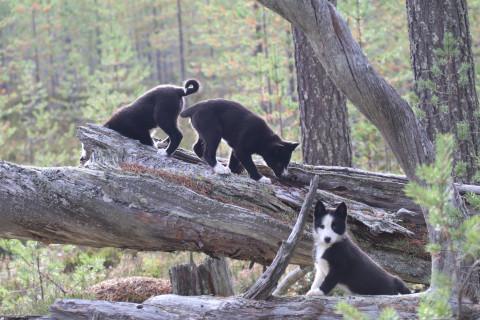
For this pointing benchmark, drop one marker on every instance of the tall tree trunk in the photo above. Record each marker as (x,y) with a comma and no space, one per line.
(180,39)
(350,70)
(450,104)
(35,47)
(323,110)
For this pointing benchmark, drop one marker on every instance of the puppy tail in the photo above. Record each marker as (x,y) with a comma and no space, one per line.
(191,86)
(401,286)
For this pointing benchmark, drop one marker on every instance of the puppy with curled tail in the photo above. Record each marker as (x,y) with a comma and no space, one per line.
(158,107)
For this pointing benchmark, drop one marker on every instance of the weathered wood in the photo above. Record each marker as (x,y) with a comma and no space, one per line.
(128,196)
(211,277)
(290,279)
(186,282)
(267,283)
(218,275)
(179,307)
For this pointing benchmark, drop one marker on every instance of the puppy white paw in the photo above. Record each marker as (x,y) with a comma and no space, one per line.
(264,180)
(315,292)
(162,152)
(220,169)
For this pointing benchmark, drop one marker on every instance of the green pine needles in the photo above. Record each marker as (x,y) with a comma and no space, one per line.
(462,234)
(435,196)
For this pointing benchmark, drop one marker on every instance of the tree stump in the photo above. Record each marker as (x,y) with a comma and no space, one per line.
(211,277)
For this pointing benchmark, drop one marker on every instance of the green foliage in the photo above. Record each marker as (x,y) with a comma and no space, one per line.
(462,234)
(462,131)
(39,275)
(389,314)
(462,73)
(435,305)
(350,312)
(436,197)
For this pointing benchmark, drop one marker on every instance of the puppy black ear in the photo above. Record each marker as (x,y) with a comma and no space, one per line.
(319,210)
(291,145)
(341,210)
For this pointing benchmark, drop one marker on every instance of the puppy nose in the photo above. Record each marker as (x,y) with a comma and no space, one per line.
(327,239)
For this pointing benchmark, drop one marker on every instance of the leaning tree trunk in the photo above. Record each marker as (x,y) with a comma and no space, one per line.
(451,103)
(350,70)
(323,109)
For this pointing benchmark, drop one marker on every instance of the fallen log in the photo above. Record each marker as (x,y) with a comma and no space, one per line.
(204,307)
(128,196)
(267,283)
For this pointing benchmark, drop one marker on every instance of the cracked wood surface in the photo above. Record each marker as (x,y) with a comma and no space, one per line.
(128,196)
(205,307)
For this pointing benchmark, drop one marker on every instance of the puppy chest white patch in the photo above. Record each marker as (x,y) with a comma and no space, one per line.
(84,152)
(321,265)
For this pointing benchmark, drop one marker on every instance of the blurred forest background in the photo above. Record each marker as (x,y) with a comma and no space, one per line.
(64,63)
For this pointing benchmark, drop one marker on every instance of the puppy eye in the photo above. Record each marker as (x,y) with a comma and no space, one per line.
(322,226)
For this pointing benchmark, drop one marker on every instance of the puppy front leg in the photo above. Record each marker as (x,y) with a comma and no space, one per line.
(249,165)
(319,277)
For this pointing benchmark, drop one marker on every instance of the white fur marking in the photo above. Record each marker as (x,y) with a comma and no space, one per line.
(162,152)
(265,180)
(321,265)
(315,292)
(84,152)
(285,172)
(327,231)
(220,169)
(160,144)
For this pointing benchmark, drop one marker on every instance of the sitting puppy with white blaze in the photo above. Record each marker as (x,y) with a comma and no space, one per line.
(340,262)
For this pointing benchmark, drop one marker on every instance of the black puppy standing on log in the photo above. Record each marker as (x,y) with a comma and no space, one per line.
(340,262)
(159,106)
(245,132)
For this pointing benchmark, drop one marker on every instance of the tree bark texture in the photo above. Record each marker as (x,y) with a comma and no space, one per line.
(350,70)
(263,288)
(352,73)
(290,279)
(211,277)
(323,110)
(428,22)
(179,307)
(128,196)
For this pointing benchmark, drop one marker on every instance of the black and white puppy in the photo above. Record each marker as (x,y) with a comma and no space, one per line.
(245,132)
(340,262)
(158,107)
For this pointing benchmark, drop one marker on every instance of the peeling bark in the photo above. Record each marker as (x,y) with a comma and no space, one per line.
(128,196)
